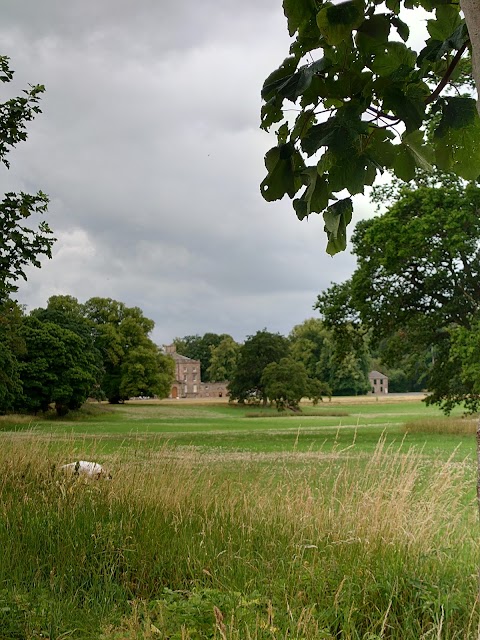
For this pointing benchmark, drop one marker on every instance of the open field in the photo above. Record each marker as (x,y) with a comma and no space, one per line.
(354,519)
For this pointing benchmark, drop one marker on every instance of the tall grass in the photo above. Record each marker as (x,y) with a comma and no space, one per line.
(464,425)
(198,546)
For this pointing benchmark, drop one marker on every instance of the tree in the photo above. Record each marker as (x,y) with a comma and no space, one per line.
(132,363)
(146,372)
(20,244)
(12,346)
(223,360)
(307,344)
(412,293)
(56,368)
(363,98)
(285,383)
(256,353)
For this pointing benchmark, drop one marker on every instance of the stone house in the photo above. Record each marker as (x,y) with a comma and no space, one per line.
(188,381)
(378,383)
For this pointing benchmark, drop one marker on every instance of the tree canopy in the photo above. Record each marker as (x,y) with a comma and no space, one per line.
(413,294)
(363,97)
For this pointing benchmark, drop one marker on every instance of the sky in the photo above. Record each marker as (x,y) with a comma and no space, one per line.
(150,150)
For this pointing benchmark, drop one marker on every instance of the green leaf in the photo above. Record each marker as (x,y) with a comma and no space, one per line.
(284,165)
(336,22)
(404,164)
(315,197)
(401,27)
(446,21)
(457,112)
(422,154)
(349,172)
(408,105)
(373,33)
(337,217)
(279,77)
(393,56)
(457,149)
(297,12)
(393,5)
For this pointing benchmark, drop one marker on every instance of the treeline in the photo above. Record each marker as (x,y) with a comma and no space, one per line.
(312,361)
(60,355)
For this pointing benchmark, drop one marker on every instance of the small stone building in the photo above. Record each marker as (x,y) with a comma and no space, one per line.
(378,383)
(188,381)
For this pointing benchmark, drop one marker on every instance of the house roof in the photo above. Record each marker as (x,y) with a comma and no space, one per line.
(377,374)
(183,359)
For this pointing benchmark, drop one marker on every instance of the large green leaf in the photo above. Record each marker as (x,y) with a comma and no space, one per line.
(284,165)
(446,21)
(297,12)
(315,197)
(404,164)
(336,22)
(393,56)
(421,153)
(458,150)
(279,77)
(337,217)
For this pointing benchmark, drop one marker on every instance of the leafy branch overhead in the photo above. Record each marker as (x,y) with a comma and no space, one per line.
(362,97)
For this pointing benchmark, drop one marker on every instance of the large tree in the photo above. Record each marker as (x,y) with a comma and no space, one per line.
(256,353)
(223,360)
(363,97)
(20,243)
(132,362)
(411,292)
(57,367)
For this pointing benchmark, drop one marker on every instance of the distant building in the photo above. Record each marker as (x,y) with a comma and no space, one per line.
(378,383)
(188,381)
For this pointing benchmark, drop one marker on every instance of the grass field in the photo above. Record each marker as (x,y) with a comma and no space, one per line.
(354,519)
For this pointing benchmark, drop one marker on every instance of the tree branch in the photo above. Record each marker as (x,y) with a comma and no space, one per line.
(444,81)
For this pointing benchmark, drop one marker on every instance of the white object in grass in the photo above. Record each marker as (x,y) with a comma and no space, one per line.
(85,468)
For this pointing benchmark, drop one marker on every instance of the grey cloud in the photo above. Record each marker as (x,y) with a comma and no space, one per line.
(149,148)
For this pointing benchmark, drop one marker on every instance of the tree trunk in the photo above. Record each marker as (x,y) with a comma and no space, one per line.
(471,11)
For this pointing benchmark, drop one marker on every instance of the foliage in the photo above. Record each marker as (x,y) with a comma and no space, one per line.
(307,343)
(56,368)
(223,360)
(285,383)
(353,78)
(132,363)
(412,293)
(256,353)
(146,372)
(20,245)
(11,346)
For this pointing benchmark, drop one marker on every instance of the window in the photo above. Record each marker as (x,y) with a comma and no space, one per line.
(381,389)
(374,381)
(381,380)
(373,389)
(194,388)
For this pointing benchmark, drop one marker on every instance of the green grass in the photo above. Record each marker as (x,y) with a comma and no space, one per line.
(221,524)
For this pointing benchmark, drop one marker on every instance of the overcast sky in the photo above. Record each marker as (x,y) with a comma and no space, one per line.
(150,150)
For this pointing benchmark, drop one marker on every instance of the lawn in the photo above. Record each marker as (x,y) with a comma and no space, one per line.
(353,519)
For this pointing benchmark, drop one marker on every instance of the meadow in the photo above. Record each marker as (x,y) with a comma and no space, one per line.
(354,519)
